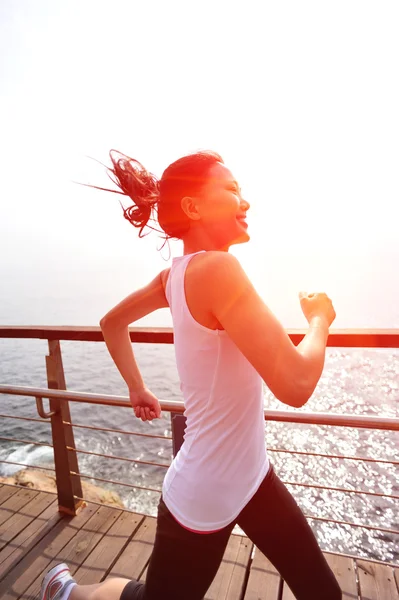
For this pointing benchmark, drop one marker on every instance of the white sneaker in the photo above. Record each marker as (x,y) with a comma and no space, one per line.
(55,582)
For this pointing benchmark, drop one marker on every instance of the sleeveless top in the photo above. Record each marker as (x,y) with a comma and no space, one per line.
(223,458)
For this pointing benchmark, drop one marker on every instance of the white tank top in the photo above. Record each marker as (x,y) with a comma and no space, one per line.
(223,458)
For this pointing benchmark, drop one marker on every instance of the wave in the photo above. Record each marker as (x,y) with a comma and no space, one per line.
(28,454)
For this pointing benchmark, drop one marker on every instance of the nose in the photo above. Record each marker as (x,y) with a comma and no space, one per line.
(244,205)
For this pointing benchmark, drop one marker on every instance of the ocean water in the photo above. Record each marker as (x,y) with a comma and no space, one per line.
(354,381)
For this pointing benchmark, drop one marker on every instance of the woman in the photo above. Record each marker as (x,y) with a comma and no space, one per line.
(227,342)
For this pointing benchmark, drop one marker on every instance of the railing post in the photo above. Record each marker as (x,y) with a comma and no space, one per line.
(178,423)
(65,460)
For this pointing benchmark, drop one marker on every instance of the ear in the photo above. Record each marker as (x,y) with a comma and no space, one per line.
(189,206)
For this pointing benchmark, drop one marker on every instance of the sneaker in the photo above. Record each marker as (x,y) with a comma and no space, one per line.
(56,582)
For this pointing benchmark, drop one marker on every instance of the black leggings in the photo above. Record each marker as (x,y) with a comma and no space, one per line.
(183,564)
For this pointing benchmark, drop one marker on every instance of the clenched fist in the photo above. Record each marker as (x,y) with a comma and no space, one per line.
(317,305)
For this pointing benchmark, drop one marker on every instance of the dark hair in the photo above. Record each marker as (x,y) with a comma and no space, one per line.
(160,200)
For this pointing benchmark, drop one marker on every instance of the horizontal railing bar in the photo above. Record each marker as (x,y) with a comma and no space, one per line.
(362,458)
(149,435)
(340,420)
(337,420)
(309,485)
(9,462)
(151,335)
(371,527)
(139,487)
(343,338)
(345,490)
(24,418)
(168,437)
(162,437)
(393,531)
(26,442)
(141,462)
(380,562)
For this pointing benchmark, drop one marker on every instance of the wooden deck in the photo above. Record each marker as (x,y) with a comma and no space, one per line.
(103,542)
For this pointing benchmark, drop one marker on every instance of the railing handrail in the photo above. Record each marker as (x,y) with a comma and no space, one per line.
(340,338)
(317,418)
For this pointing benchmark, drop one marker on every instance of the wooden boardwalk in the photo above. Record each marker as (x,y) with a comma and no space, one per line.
(103,542)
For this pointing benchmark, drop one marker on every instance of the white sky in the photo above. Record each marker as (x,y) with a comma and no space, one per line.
(300,98)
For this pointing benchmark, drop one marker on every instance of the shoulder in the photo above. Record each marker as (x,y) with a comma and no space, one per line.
(217,260)
(221,266)
(217,273)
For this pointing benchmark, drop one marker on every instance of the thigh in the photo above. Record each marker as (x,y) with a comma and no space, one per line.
(183,564)
(277,526)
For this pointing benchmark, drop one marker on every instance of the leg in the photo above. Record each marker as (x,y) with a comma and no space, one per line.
(59,583)
(110,589)
(183,564)
(276,525)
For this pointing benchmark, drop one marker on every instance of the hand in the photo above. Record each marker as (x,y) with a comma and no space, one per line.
(317,305)
(145,405)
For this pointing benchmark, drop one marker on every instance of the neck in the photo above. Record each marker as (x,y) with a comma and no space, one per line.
(195,241)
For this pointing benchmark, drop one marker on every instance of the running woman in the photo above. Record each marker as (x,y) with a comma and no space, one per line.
(227,343)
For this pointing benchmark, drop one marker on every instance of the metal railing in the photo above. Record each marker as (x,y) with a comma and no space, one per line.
(68,477)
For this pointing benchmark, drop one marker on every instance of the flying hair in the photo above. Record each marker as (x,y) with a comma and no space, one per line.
(159,200)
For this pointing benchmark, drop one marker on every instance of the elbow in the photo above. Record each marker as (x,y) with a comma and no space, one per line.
(302,401)
(297,397)
(303,396)
(297,401)
(110,323)
(106,323)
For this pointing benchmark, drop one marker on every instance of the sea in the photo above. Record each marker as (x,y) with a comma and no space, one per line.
(354,382)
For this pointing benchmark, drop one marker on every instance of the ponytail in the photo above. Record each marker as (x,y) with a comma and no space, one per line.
(137,183)
(160,200)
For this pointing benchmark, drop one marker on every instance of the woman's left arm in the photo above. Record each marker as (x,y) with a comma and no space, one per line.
(114,326)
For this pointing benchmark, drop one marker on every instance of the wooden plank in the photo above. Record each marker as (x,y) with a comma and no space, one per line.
(230,579)
(20,520)
(6,491)
(100,561)
(344,569)
(287,593)
(21,576)
(376,581)
(264,579)
(136,555)
(29,537)
(78,548)
(396,575)
(15,503)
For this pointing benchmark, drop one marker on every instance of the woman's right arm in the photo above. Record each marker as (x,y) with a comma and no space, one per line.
(291,372)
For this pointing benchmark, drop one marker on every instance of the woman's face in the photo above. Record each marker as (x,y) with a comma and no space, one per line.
(220,208)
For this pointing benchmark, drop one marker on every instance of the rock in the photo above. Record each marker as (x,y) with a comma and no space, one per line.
(45,481)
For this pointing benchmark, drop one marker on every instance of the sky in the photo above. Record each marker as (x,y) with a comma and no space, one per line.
(300,99)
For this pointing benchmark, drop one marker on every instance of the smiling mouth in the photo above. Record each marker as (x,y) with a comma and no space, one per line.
(242,221)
